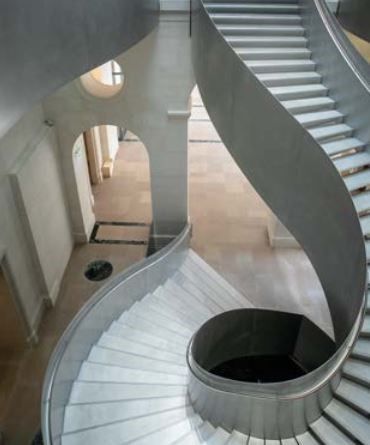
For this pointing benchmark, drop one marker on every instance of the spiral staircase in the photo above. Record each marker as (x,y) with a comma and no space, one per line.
(123,371)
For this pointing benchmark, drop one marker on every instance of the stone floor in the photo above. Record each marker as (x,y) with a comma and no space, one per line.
(229,221)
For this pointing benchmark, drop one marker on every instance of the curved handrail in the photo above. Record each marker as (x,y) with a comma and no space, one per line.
(94,317)
(45,45)
(295,177)
(357,63)
(334,54)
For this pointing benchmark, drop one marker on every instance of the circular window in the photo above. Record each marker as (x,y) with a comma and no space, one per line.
(98,270)
(105,81)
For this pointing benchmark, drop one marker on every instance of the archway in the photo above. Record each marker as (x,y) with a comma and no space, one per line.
(113,185)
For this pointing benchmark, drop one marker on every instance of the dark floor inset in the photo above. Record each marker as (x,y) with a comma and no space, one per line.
(110,234)
(260,369)
(98,270)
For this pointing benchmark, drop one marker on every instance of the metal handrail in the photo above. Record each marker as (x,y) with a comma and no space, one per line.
(354,59)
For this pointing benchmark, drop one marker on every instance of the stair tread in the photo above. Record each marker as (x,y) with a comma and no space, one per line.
(351,421)
(170,434)
(357,370)
(352,161)
(365,224)
(296,105)
(306,439)
(97,392)
(266,39)
(323,133)
(237,438)
(128,430)
(263,29)
(96,372)
(365,329)
(329,433)
(131,347)
(172,306)
(78,417)
(219,437)
(181,296)
(344,145)
(262,17)
(153,328)
(318,117)
(355,395)
(177,323)
(240,7)
(256,441)
(198,435)
(217,277)
(362,201)
(311,89)
(138,335)
(179,280)
(357,180)
(110,357)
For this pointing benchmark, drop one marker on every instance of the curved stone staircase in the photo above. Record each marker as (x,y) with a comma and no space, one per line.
(132,387)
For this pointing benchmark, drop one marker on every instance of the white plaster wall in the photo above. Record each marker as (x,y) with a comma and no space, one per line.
(38,180)
(153,105)
(16,236)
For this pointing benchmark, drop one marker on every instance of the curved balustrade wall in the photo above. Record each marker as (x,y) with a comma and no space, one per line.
(298,181)
(287,167)
(45,44)
(117,296)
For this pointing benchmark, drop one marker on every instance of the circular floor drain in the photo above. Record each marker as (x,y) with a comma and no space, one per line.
(98,270)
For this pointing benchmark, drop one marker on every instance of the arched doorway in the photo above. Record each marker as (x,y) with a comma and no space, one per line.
(113,182)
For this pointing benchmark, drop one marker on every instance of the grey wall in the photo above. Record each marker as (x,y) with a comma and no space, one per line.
(46,43)
(354,15)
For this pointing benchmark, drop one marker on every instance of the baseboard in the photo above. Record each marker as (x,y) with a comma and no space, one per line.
(175,5)
(80,237)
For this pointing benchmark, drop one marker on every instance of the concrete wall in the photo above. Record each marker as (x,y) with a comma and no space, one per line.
(154,105)
(35,239)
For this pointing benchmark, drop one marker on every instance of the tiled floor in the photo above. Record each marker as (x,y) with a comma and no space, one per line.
(229,232)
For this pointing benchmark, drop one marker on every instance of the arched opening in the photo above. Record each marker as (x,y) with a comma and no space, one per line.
(230,229)
(113,185)
(104,81)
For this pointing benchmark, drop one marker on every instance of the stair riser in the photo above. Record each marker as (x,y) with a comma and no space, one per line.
(330,138)
(263,31)
(289,82)
(359,356)
(300,95)
(299,55)
(323,121)
(297,67)
(263,8)
(267,43)
(352,405)
(310,108)
(250,20)
(358,380)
